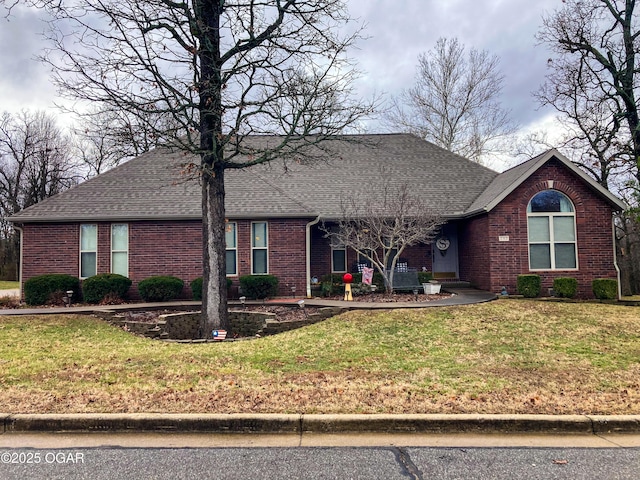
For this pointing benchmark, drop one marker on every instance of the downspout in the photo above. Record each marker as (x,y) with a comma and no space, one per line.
(309,225)
(615,257)
(19,229)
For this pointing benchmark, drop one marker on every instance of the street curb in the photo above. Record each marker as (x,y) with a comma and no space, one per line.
(615,424)
(153,422)
(320,423)
(434,423)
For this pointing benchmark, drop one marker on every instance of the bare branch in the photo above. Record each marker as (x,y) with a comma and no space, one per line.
(592,83)
(455,102)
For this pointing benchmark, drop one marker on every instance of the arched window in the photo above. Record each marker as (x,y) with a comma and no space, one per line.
(552,232)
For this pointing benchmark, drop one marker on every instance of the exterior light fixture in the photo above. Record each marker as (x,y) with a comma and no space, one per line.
(243,300)
(415,293)
(69,295)
(301,305)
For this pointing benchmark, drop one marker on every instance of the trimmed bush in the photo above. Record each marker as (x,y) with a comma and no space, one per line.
(528,285)
(605,288)
(96,288)
(259,286)
(565,287)
(196,287)
(43,288)
(160,289)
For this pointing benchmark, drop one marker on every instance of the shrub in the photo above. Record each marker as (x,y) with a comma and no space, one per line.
(605,288)
(196,287)
(259,286)
(565,287)
(528,285)
(326,289)
(425,277)
(332,284)
(95,289)
(43,288)
(160,289)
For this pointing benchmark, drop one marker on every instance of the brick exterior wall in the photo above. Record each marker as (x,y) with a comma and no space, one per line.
(473,252)
(490,264)
(165,248)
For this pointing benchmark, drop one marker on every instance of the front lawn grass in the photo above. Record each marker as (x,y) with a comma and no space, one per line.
(511,356)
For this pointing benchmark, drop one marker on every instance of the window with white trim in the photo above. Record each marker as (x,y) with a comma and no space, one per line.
(231,240)
(259,248)
(338,258)
(338,252)
(88,250)
(120,249)
(551,221)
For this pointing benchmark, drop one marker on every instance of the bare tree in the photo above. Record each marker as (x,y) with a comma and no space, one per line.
(106,138)
(593,80)
(455,102)
(35,163)
(222,70)
(380,226)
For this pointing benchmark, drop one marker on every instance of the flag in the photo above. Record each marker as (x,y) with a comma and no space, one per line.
(367,275)
(219,334)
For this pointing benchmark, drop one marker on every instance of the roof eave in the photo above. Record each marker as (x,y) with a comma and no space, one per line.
(138,218)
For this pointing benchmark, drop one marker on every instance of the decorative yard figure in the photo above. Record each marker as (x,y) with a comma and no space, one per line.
(347,279)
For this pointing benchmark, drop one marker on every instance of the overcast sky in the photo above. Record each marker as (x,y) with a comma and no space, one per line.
(398,31)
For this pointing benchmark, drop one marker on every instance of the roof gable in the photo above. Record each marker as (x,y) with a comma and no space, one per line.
(505,183)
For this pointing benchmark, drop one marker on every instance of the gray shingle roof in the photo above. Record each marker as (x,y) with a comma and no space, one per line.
(150,186)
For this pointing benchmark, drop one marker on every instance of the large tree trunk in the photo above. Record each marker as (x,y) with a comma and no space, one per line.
(214,280)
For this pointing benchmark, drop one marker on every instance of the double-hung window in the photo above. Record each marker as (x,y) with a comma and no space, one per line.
(231,240)
(120,249)
(338,252)
(259,248)
(552,232)
(88,250)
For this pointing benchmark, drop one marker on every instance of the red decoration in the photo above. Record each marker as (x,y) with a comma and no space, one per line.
(347,278)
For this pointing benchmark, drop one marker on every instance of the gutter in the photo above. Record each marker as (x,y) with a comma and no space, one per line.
(615,257)
(21,231)
(308,241)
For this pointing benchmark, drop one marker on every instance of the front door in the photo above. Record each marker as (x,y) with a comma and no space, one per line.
(444,251)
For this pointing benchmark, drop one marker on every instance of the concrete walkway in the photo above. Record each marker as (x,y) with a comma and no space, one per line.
(462,296)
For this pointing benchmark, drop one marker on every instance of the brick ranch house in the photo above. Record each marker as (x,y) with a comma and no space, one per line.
(140,219)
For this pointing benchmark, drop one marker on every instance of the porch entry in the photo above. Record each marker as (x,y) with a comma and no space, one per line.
(444,254)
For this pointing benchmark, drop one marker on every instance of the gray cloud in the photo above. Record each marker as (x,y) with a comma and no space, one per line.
(24,82)
(398,31)
(505,28)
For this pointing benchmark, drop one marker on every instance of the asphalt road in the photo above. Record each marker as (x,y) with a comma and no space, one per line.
(385,463)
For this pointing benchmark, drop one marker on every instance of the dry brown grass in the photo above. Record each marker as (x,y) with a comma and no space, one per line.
(501,357)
